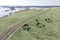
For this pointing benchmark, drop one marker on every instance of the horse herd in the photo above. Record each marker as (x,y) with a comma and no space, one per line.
(38,24)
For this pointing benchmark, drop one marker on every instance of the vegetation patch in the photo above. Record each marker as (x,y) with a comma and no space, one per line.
(42,27)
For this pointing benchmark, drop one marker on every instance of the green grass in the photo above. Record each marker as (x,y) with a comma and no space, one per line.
(8,22)
(51,31)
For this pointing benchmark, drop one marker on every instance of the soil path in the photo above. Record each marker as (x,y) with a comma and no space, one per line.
(8,32)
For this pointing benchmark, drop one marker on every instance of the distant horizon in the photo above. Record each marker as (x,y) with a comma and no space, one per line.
(29,5)
(30,2)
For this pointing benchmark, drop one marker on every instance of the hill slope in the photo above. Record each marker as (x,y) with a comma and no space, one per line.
(8,22)
(47,29)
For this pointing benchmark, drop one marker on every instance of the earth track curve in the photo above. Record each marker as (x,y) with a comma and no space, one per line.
(7,33)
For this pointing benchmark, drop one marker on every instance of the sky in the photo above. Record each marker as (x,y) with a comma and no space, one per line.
(31,2)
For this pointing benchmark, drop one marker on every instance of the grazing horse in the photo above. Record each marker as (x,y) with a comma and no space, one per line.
(37,20)
(26,27)
(46,19)
(37,23)
(40,26)
(25,24)
(43,25)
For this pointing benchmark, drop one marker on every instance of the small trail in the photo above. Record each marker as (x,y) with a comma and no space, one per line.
(8,32)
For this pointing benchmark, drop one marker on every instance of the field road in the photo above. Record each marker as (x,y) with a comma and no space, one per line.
(7,33)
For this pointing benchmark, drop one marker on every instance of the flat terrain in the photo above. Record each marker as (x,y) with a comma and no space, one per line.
(48,32)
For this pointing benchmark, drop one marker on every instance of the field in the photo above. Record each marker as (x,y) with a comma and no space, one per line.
(46,30)
(6,22)
(49,32)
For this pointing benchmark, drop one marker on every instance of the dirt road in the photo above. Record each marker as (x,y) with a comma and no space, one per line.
(8,32)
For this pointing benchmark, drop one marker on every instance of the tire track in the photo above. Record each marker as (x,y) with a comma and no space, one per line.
(8,32)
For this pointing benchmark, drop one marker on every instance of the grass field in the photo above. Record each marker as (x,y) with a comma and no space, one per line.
(8,22)
(51,31)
